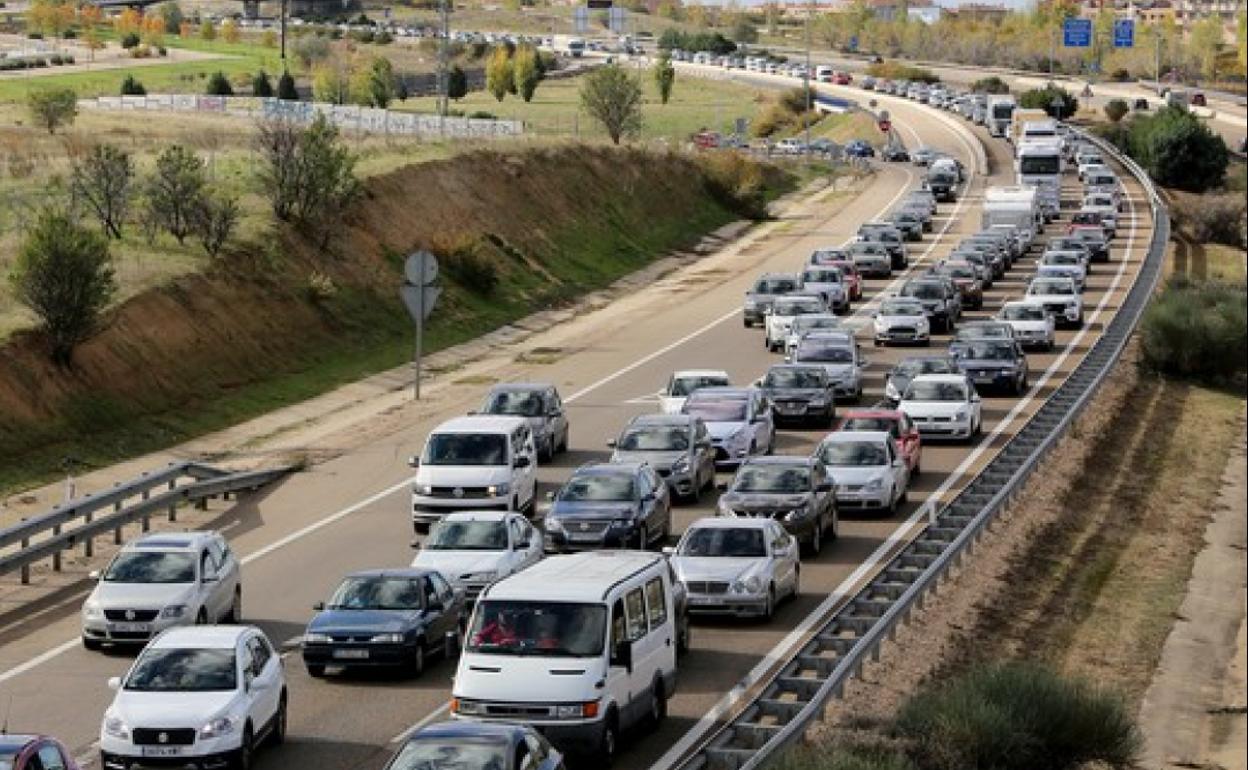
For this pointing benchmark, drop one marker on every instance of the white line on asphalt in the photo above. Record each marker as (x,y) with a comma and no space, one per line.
(432,715)
(783,649)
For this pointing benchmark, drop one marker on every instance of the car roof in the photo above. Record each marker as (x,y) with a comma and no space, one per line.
(12,741)
(480,423)
(955,378)
(398,572)
(477,516)
(204,637)
(792,276)
(522,386)
(678,420)
(455,728)
(891,414)
(846,436)
(779,460)
(721,392)
(171,541)
(729,522)
(583,577)
(699,373)
(799,296)
(609,469)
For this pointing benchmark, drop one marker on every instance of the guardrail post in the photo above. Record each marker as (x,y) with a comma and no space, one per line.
(173,507)
(25,567)
(147,519)
(117,531)
(56,557)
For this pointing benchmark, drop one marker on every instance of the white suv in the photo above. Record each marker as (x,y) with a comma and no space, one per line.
(159,581)
(200,696)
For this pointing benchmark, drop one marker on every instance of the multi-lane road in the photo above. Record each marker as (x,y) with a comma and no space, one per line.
(298,538)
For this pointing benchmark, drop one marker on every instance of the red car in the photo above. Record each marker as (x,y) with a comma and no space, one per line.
(842,79)
(34,752)
(852,278)
(896,424)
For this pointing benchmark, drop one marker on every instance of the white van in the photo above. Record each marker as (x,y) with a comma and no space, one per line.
(479,462)
(823,73)
(581,647)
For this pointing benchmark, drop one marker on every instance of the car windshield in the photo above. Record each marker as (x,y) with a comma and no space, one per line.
(936,391)
(810,324)
(1040,164)
(376,592)
(467,536)
(462,752)
(1023,313)
(826,255)
(853,453)
(885,424)
(1052,287)
(923,290)
(901,309)
(1086,218)
(823,276)
(598,487)
(683,386)
(717,409)
(772,478)
(520,403)
(824,351)
(982,331)
(983,350)
(538,628)
(151,567)
(173,670)
(794,307)
(1062,258)
(793,378)
(775,286)
(658,438)
(740,543)
(466,449)
(960,271)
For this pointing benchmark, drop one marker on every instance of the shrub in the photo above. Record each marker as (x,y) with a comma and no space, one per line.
(213,220)
(1121,75)
(892,70)
(132,87)
(1212,218)
(102,179)
(1116,109)
(219,85)
(130,40)
(320,287)
(736,182)
(383,38)
(1197,331)
(472,270)
(260,85)
(1057,102)
(842,758)
(456,83)
(1017,716)
(307,173)
(286,88)
(1178,150)
(175,189)
(990,85)
(482,115)
(52,107)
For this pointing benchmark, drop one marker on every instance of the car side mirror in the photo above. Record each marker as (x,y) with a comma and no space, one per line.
(114,683)
(93,574)
(722,486)
(898,462)
(975,399)
(611,444)
(209,579)
(622,655)
(550,496)
(788,359)
(669,550)
(413,461)
(522,462)
(319,607)
(864,362)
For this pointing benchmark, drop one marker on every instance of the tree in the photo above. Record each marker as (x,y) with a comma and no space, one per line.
(260,85)
(230,32)
(214,219)
(744,31)
(456,84)
(103,180)
(330,84)
(525,72)
(127,22)
(153,29)
(498,76)
(1057,102)
(1204,42)
(1179,150)
(219,85)
(664,77)
(1116,109)
(132,87)
(174,190)
(286,88)
(171,14)
(208,31)
(990,85)
(613,98)
(52,107)
(381,82)
(307,173)
(64,274)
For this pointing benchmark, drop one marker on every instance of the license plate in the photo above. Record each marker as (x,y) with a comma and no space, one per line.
(577,537)
(162,751)
(985,377)
(351,654)
(703,600)
(129,628)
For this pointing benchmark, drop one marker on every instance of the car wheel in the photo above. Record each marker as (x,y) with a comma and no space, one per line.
(769,609)
(816,540)
(682,634)
(315,670)
(658,706)
(91,644)
(608,743)
(418,658)
(201,619)
(836,526)
(877,343)
(243,757)
(235,615)
(563,442)
(643,538)
(695,496)
(797,583)
(278,734)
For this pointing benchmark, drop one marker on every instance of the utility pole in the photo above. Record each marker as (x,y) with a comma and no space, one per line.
(1159,61)
(810,12)
(282,24)
(1052,52)
(443,75)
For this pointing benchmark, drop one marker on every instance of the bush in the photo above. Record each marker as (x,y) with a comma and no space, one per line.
(1116,109)
(260,85)
(1017,716)
(842,758)
(132,87)
(471,270)
(482,115)
(1197,331)
(1178,150)
(1212,218)
(219,85)
(130,40)
(736,182)
(286,88)
(990,85)
(1057,102)
(52,107)
(1121,75)
(892,70)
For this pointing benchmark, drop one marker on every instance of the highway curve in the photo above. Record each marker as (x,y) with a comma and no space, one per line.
(350,513)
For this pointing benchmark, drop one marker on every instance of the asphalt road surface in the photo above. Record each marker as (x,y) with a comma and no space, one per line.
(350,513)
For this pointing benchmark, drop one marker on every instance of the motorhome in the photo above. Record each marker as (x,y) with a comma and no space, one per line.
(1016,205)
(1000,113)
(1039,164)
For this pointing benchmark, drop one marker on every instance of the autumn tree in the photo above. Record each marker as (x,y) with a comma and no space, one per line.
(613,98)
(499,79)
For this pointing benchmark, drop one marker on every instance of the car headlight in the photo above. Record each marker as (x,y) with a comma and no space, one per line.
(552,524)
(467,707)
(874,485)
(314,638)
(174,611)
(389,638)
(891,391)
(114,726)
(482,577)
(751,304)
(622,523)
(218,727)
(796,513)
(92,610)
(587,710)
(750,585)
(681,465)
(424,489)
(961,415)
(498,490)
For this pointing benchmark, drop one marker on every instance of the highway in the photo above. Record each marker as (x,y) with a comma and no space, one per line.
(350,513)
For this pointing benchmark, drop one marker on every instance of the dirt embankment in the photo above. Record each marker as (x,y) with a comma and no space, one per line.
(517,231)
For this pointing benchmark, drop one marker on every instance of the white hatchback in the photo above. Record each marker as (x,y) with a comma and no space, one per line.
(784,310)
(1033,325)
(682,383)
(199,696)
(943,406)
(475,548)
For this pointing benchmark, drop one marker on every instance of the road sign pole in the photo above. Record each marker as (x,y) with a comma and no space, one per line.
(420,335)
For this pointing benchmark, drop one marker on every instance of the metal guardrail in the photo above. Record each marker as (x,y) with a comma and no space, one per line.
(797,692)
(126,503)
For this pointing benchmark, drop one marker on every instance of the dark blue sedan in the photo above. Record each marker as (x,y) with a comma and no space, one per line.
(859,149)
(484,745)
(393,617)
(609,505)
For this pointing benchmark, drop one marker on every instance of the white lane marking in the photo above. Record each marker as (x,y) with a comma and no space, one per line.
(432,715)
(39,659)
(783,649)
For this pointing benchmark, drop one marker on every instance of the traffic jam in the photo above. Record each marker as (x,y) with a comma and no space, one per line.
(568,613)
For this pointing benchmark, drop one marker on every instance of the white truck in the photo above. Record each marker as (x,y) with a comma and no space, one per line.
(1000,113)
(568,45)
(1039,164)
(1016,205)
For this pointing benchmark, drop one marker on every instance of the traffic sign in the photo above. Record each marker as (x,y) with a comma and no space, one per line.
(617,19)
(421,268)
(1124,33)
(420,293)
(1077,33)
(580,19)
(885,126)
(420,300)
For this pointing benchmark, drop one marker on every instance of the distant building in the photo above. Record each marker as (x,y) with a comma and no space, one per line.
(980,12)
(928,14)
